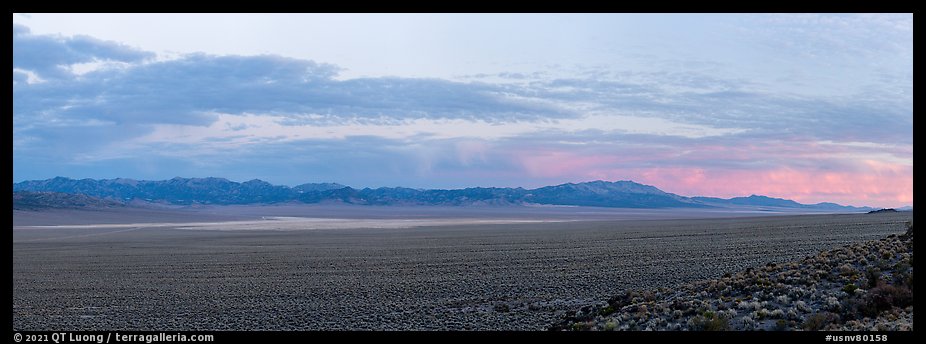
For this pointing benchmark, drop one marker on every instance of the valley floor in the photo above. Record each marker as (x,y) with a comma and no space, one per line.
(496,276)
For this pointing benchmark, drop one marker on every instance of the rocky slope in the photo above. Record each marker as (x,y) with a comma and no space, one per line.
(864,286)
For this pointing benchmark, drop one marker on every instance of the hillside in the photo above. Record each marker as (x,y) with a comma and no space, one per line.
(865,286)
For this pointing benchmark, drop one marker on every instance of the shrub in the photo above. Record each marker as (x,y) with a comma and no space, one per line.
(873,275)
(709,322)
(607,310)
(846,270)
(850,288)
(611,325)
(819,321)
(781,325)
(802,306)
(901,267)
(776,313)
(884,264)
(582,326)
(884,297)
(908,280)
(649,296)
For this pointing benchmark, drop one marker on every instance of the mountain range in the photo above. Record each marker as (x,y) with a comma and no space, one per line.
(221,191)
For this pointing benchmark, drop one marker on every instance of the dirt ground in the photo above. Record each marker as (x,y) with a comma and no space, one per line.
(443,275)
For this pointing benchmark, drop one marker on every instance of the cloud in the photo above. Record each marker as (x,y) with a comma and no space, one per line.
(192,89)
(187,90)
(84,107)
(50,56)
(848,36)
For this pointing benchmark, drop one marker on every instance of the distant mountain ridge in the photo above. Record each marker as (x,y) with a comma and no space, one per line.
(755,200)
(190,191)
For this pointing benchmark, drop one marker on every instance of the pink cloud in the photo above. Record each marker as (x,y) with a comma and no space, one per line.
(551,163)
(803,170)
(869,182)
(885,185)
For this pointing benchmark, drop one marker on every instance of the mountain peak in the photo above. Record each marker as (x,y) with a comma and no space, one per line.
(318,187)
(626,186)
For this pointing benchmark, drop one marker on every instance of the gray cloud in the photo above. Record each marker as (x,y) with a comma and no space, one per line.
(191,89)
(49,56)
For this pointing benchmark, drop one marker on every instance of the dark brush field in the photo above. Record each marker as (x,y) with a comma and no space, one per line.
(437,275)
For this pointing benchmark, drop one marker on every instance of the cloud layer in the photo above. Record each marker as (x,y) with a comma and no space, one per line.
(84,107)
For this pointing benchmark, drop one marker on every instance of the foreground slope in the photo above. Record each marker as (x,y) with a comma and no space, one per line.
(863,286)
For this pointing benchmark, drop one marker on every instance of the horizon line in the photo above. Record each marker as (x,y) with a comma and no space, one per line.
(463,188)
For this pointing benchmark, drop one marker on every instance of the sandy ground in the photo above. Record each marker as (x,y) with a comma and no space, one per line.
(120,216)
(436,273)
(177,214)
(290,223)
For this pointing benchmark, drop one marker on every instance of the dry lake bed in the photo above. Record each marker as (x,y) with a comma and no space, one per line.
(296,269)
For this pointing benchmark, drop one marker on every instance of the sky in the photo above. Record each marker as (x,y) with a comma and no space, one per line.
(809,107)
